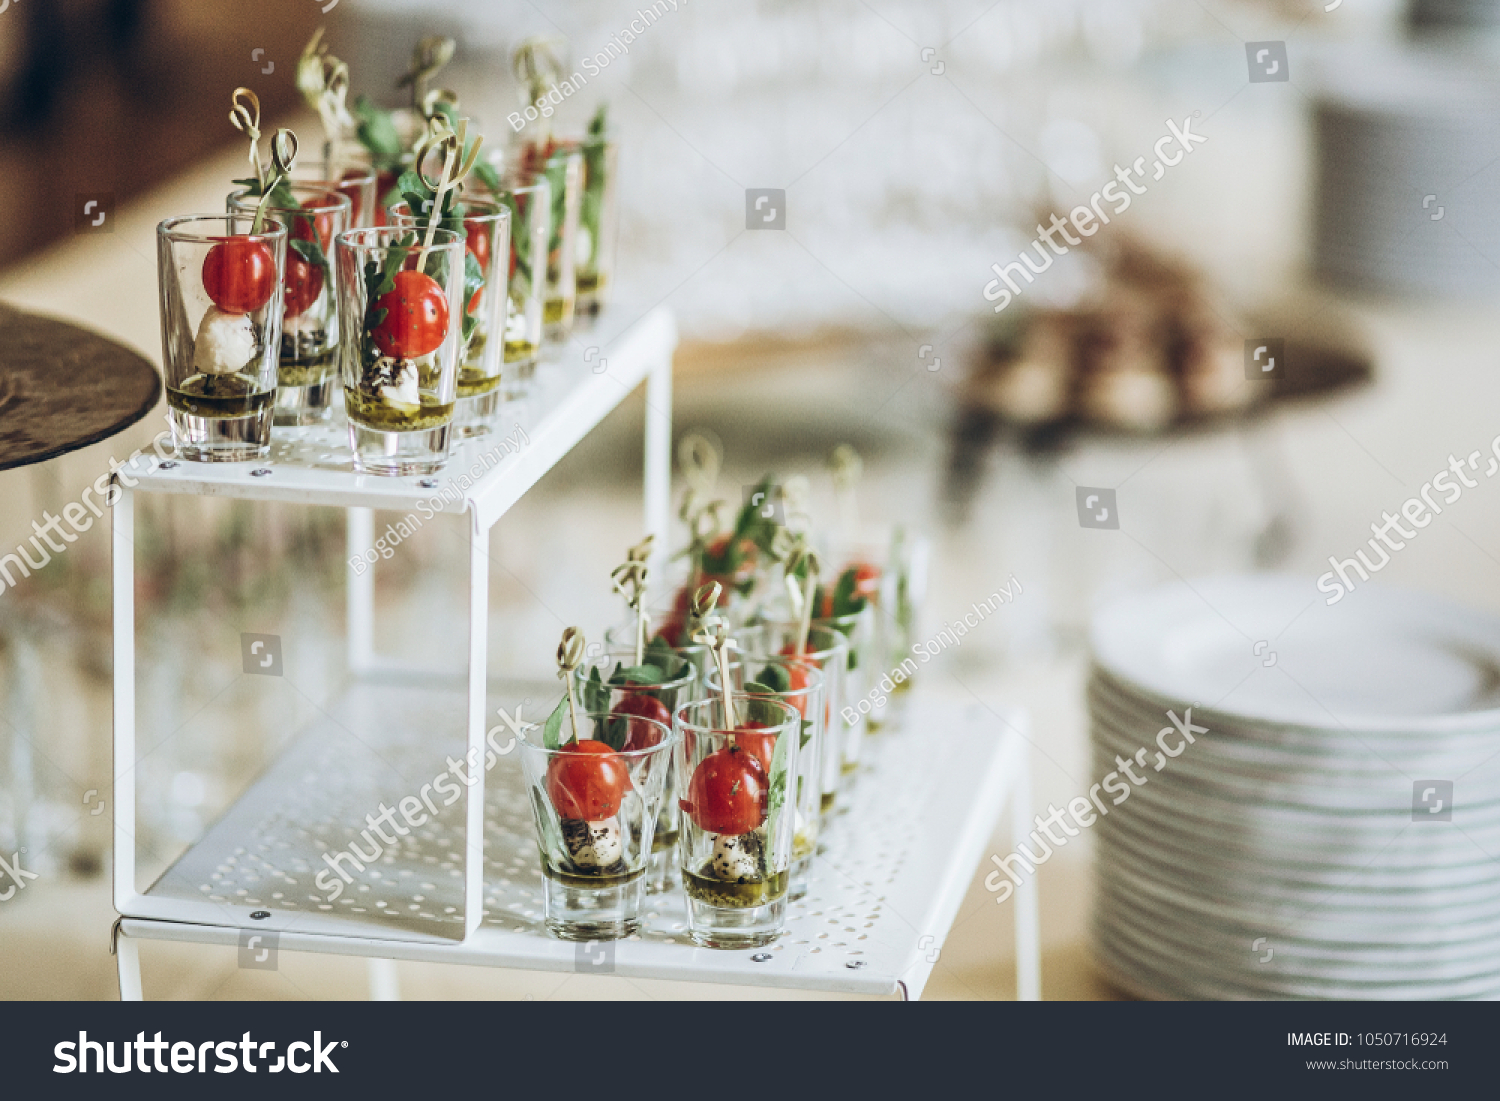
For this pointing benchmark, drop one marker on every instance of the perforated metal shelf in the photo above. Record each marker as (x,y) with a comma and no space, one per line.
(884,893)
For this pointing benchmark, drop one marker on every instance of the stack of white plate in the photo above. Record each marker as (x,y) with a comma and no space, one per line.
(1336,831)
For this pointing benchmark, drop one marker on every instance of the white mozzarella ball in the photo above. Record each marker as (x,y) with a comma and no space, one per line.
(225,342)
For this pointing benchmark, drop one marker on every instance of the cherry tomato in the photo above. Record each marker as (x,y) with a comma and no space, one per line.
(728,792)
(717,552)
(478,243)
(797,680)
(866,580)
(640,705)
(304,282)
(763,746)
(303,225)
(790,651)
(586,781)
(239,274)
(416,316)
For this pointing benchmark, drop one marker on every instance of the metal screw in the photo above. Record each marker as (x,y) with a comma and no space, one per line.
(167,464)
(261,473)
(260,915)
(428,483)
(855,965)
(762,957)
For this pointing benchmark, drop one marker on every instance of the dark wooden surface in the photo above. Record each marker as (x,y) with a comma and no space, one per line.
(62,388)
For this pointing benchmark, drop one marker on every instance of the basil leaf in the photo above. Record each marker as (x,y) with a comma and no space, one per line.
(377,132)
(552,732)
(485,173)
(613,731)
(758,686)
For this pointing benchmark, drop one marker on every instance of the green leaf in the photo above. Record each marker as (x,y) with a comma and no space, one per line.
(777,677)
(613,731)
(637,674)
(806,733)
(552,732)
(377,133)
(473,279)
(844,600)
(776,798)
(485,173)
(759,686)
(595,692)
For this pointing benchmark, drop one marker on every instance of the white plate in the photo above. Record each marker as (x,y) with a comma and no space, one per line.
(1379,659)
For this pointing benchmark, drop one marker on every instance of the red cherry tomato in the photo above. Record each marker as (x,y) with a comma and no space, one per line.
(640,705)
(587,781)
(717,551)
(728,792)
(416,316)
(304,282)
(304,225)
(866,580)
(478,243)
(797,680)
(239,274)
(763,746)
(790,651)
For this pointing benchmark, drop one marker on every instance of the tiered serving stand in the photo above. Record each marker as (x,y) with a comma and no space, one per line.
(465,886)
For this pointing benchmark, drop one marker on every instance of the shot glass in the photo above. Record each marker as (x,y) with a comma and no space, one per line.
(622,638)
(530,207)
(597,226)
(487,239)
(564,173)
(306,374)
(596,810)
(799,682)
(352,174)
(858,630)
(654,689)
(827,651)
(735,788)
(401,304)
(220,287)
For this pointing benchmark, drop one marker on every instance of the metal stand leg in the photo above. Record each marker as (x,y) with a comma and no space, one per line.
(1028,930)
(659,460)
(128,962)
(360,610)
(385,981)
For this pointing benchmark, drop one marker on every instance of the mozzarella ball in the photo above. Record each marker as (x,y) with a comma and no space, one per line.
(225,342)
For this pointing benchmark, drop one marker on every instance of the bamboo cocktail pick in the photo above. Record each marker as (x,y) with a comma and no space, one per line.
(713,632)
(569,654)
(633,573)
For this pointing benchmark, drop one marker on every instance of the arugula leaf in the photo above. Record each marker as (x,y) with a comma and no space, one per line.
(612,730)
(310,251)
(639,674)
(777,677)
(595,692)
(776,797)
(377,133)
(552,732)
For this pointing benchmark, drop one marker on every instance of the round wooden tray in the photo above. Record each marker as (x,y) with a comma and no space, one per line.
(63,387)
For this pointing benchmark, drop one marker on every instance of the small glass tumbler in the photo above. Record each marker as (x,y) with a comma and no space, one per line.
(596,810)
(401,297)
(828,651)
(799,682)
(858,630)
(307,373)
(564,172)
(734,789)
(352,174)
(487,240)
(530,207)
(220,287)
(607,686)
(598,229)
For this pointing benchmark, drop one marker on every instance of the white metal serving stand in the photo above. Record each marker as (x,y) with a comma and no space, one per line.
(465,885)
